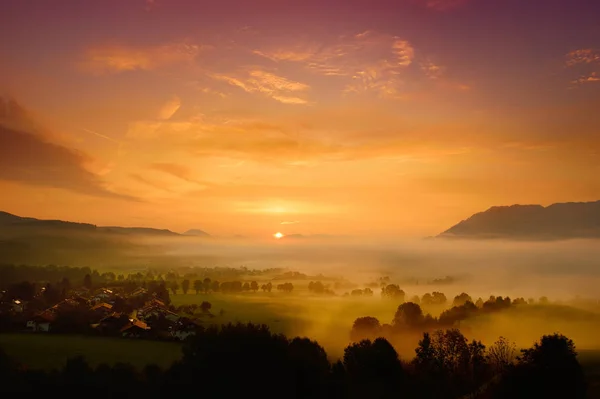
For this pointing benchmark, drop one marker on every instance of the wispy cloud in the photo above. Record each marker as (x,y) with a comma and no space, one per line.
(120,58)
(290,222)
(587,63)
(371,60)
(591,78)
(431,70)
(179,171)
(274,86)
(169,108)
(404,52)
(101,135)
(582,56)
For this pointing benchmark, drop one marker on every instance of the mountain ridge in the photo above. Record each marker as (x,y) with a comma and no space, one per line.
(556,221)
(8,220)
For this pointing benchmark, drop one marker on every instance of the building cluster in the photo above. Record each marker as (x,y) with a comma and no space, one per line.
(104,312)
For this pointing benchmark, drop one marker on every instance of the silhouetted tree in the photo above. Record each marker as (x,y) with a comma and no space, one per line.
(205,306)
(549,369)
(408,315)
(214,286)
(198,285)
(254,286)
(185,286)
(207,284)
(393,291)
(365,328)
(501,355)
(461,299)
(174,285)
(373,369)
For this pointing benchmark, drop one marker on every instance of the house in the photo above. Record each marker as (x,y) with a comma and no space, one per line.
(41,322)
(112,324)
(138,292)
(100,311)
(184,328)
(103,295)
(17,306)
(135,329)
(82,292)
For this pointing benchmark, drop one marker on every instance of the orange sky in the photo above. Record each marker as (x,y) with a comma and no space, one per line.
(383,117)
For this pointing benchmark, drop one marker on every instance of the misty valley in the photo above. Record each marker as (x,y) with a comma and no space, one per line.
(462,308)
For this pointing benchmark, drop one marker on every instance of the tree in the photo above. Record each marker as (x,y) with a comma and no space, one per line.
(501,354)
(461,299)
(285,287)
(374,369)
(198,285)
(365,328)
(254,286)
(269,286)
(214,286)
(185,286)
(246,286)
(408,315)
(368,292)
(393,291)
(87,281)
(174,287)
(207,284)
(205,307)
(549,369)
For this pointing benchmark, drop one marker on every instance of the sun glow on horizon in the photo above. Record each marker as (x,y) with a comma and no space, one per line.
(278,235)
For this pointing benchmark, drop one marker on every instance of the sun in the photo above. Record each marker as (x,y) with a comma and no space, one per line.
(278,235)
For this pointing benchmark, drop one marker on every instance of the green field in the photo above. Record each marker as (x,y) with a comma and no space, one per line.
(51,351)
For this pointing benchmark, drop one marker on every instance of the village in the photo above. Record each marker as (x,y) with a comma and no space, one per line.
(106,312)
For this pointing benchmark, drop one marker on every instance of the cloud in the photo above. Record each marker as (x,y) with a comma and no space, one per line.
(591,78)
(28,158)
(274,86)
(431,70)
(119,58)
(179,171)
(373,61)
(169,109)
(147,182)
(404,52)
(290,222)
(582,56)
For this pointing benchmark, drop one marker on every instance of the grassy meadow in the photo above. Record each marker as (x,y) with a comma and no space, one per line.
(43,351)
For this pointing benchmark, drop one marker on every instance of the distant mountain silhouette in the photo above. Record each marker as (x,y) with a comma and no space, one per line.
(534,222)
(10,222)
(197,233)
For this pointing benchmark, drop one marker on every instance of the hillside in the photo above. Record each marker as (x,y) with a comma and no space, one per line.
(535,222)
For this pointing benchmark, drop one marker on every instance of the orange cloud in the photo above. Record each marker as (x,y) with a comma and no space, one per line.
(115,59)
(591,78)
(176,170)
(28,157)
(169,108)
(274,86)
(582,56)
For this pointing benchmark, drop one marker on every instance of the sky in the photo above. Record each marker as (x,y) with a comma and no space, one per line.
(355,117)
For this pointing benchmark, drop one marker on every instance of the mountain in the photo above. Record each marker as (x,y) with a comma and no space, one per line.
(10,222)
(532,222)
(197,233)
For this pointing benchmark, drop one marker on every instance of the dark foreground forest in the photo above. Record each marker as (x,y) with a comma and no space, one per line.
(247,360)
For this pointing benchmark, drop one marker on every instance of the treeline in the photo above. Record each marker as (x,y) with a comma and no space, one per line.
(409,316)
(250,361)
